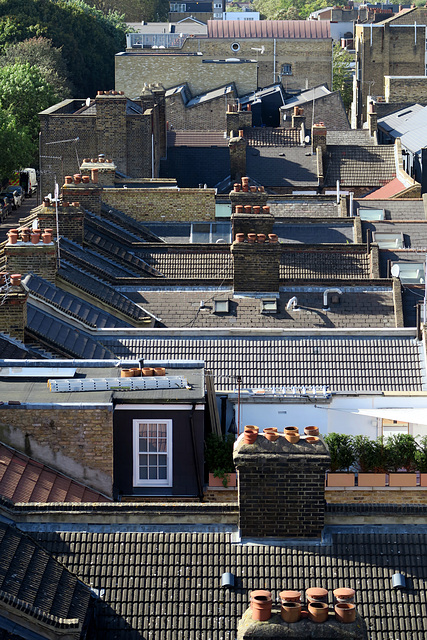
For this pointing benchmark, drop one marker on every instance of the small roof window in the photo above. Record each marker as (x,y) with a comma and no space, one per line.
(371,214)
(409,272)
(269,305)
(222,306)
(387,240)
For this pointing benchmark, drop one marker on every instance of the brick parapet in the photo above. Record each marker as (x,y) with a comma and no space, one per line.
(281,488)
(13,312)
(75,441)
(25,257)
(256,267)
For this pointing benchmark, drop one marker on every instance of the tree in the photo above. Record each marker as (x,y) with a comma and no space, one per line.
(87,37)
(342,74)
(40,53)
(15,144)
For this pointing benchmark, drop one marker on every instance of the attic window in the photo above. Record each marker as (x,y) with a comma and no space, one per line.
(222,306)
(388,240)
(269,305)
(371,214)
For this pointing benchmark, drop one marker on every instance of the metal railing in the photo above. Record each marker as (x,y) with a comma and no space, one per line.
(155,41)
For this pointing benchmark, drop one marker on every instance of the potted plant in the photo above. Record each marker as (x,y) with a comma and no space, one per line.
(421,460)
(401,450)
(342,453)
(219,460)
(370,457)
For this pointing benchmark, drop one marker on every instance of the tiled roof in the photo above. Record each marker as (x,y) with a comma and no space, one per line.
(282,166)
(400,209)
(312,264)
(93,261)
(38,586)
(350,136)
(301,29)
(70,304)
(192,262)
(358,307)
(101,290)
(62,337)
(126,224)
(299,207)
(341,363)
(196,139)
(25,480)
(273,137)
(355,166)
(167,585)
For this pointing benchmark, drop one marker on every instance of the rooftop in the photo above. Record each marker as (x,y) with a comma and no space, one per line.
(298,29)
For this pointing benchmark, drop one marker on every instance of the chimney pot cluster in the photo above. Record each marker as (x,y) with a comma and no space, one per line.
(29,236)
(247,208)
(245,186)
(317,608)
(112,92)
(15,278)
(259,238)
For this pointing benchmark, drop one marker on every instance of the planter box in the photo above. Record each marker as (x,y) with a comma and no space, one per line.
(423,479)
(217,482)
(340,479)
(371,479)
(402,479)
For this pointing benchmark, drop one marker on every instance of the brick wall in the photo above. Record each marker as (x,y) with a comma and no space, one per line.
(13,312)
(397,89)
(111,126)
(70,220)
(237,120)
(75,441)
(25,257)
(328,109)
(252,223)
(207,115)
(256,267)
(257,198)
(281,488)
(163,204)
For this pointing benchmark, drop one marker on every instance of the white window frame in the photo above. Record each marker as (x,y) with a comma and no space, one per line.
(137,482)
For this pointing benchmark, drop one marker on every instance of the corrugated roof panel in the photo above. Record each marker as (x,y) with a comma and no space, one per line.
(286,29)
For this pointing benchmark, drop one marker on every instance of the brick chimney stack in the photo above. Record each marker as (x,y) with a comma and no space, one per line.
(372,119)
(237,119)
(70,218)
(318,137)
(237,146)
(281,487)
(31,251)
(13,307)
(256,263)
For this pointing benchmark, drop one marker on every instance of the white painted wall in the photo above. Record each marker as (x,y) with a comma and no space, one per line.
(333,417)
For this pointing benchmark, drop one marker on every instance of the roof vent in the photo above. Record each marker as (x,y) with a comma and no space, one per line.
(227,580)
(398,581)
(269,305)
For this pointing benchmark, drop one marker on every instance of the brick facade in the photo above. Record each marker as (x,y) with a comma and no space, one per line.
(281,488)
(397,89)
(75,441)
(25,257)
(13,312)
(163,205)
(328,109)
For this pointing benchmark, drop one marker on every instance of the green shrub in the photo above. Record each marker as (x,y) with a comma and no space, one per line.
(370,454)
(400,450)
(219,456)
(341,449)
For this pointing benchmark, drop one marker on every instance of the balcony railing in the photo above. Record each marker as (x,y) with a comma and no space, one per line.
(155,41)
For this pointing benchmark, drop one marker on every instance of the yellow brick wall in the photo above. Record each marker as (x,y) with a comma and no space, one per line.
(417,495)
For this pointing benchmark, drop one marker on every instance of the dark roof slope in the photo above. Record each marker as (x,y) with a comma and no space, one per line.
(37,585)
(359,166)
(25,480)
(168,585)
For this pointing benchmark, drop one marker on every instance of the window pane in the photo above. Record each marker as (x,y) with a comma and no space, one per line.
(143,430)
(143,444)
(152,473)
(163,460)
(162,444)
(162,473)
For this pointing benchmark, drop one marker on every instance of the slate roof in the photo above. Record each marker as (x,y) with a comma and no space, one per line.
(300,207)
(197,139)
(359,166)
(13,348)
(70,304)
(167,585)
(282,166)
(92,261)
(358,307)
(25,480)
(314,233)
(122,224)
(192,166)
(318,264)
(101,290)
(354,137)
(341,362)
(302,29)
(400,209)
(414,233)
(195,261)
(38,586)
(62,336)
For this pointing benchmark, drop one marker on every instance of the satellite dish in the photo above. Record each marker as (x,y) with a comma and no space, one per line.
(88,102)
(395,271)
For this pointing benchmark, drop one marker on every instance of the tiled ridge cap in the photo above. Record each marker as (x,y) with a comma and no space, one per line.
(39,614)
(348,508)
(67,278)
(70,314)
(112,507)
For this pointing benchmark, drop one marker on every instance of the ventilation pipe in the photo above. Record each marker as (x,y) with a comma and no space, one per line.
(292,304)
(325,297)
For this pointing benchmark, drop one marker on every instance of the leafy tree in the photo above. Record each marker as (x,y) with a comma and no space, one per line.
(289,9)
(40,53)
(87,37)
(342,74)
(149,10)
(15,144)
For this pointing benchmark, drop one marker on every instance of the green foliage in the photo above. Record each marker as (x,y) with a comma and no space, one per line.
(342,74)
(15,144)
(421,455)
(40,53)
(341,449)
(219,456)
(370,454)
(401,449)
(86,36)
(289,9)
(24,92)
(148,10)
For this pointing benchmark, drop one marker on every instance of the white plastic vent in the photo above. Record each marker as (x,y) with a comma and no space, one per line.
(117,384)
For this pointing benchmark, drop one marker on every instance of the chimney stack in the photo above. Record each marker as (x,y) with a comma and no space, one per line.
(281,485)
(237,146)
(318,137)
(31,251)
(13,307)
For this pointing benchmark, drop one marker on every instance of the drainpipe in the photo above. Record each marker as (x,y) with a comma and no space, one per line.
(195,457)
